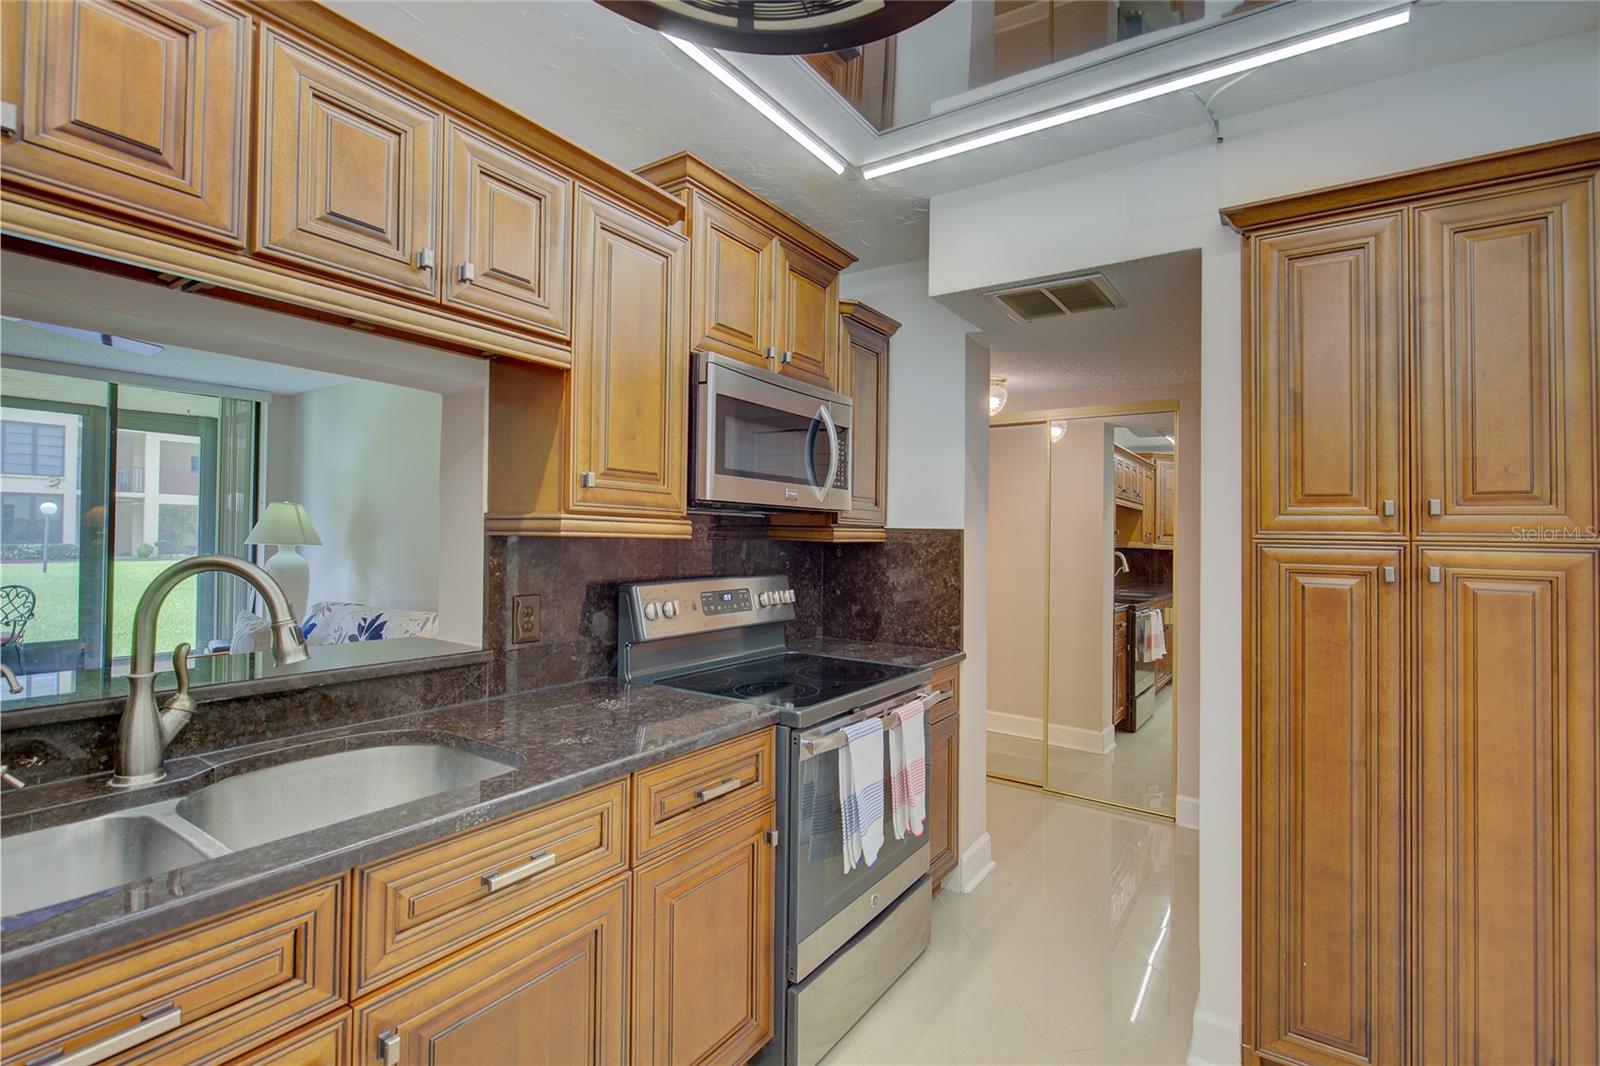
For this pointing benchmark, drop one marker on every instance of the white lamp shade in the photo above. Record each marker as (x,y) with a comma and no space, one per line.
(284,523)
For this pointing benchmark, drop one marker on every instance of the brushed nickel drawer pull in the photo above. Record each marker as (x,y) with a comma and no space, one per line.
(1435,574)
(1388,508)
(151,1025)
(389,1047)
(427,258)
(9,123)
(1389,575)
(732,784)
(467,274)
(1435,505)
(501,879)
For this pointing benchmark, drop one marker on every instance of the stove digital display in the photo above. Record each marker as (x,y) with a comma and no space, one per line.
(724,601)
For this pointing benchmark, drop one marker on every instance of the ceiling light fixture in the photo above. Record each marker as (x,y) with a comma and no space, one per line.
(1058,429)
(756,99)
(997,395)
(1148,92)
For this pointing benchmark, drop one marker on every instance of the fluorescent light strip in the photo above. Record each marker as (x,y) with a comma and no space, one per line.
(759,102)
(1135,96)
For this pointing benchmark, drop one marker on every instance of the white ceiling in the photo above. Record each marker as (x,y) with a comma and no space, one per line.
(622,91)
(1153,340)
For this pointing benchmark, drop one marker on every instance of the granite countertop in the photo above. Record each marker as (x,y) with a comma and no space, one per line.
(567,739)
(893,654)
(563,740)
(1138,595)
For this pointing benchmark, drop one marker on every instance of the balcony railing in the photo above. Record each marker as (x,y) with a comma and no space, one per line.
(130,479)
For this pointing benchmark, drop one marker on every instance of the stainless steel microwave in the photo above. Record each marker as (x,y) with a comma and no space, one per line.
(764,441)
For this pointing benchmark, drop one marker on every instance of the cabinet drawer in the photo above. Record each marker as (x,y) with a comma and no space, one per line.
(201,994)
(678,799)
(947,679)
(325,1042)
(416,907)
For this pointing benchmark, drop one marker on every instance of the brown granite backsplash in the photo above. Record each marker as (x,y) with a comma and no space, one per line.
(1147,568)
(906,591)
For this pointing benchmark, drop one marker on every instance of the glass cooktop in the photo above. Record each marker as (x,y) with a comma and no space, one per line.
(791,680)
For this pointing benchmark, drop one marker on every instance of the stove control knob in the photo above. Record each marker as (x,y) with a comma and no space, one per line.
(788,595)
(764,599)
(651,611)
(669,609)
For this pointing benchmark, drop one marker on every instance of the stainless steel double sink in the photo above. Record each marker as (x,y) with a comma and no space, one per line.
(82,858)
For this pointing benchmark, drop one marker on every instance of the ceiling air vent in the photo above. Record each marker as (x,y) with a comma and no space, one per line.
(1088,292)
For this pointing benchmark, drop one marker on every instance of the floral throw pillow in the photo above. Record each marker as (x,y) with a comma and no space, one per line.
(350,623)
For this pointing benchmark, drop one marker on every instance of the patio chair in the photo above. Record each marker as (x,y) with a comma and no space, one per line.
(16,611)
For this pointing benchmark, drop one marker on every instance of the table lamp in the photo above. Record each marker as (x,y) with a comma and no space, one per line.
(287,526)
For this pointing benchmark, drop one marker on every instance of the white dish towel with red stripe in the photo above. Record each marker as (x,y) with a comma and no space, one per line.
(908,775)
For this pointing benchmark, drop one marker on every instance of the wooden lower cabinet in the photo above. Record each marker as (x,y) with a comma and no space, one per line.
(325,1042)
(1120,680)
(944,778)
(1325,799)
(704,940)
(551,990)
(1505,860)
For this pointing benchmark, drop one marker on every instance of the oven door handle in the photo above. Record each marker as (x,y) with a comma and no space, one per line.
(811,746)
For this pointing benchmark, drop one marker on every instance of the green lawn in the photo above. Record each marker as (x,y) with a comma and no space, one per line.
(56,614)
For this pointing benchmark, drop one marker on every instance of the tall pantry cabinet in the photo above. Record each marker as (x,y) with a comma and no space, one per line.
(1421,827)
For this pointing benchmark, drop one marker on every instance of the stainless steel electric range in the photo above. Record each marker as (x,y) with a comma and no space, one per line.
(842,938)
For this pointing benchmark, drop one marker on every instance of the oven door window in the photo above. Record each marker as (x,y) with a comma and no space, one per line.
(821,887)
(767,444)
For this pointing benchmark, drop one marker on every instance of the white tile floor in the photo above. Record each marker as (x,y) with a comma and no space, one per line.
(1080,947)
(1136,773)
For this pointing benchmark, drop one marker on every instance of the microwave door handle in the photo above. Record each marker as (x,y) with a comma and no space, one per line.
(833,451)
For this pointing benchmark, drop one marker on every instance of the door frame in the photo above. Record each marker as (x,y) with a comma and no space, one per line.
(1106,410)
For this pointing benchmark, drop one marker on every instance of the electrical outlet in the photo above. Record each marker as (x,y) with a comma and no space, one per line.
(525,619)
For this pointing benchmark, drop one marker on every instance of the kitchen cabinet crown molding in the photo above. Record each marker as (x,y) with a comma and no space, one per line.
(685,170)
(869,316)
(1547,159)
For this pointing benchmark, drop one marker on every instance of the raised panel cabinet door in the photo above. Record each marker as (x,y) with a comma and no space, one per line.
(1325,786)
(1326,377)
(807,318)
(1506,831)
(630,373)
(138,108)
(944,797)
(732,287)
(348,171)
(704,948)
(550,990)
(1166,501)
(1506,363)
(867,367)
(1147,498)
(508,233)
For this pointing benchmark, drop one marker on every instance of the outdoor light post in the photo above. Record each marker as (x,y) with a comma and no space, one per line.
(47,508)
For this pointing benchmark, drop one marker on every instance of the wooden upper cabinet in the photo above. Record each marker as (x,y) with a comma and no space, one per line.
(1326,798)
(349,180)
(808,317)
(550,990)
(630,372)
(1326,381)
(508,227)
(136,108)
(704,941)
(1506,361)
(731,291)
(1506,834)
(1166,501)
(865,349)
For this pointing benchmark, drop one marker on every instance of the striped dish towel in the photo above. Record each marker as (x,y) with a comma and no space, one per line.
(908,769)
(861,792)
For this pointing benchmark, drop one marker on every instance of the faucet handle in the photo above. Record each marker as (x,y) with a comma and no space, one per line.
(180,700)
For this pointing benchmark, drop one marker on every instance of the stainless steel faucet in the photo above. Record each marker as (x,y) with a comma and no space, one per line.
(145,732)
(1121,563)
(12,683)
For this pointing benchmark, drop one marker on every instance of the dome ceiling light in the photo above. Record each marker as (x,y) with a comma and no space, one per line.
(778,27)
(997,395)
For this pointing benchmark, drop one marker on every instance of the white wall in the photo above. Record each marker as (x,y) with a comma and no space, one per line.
(927,396)
(938,472)
(1162,196)
(364,459)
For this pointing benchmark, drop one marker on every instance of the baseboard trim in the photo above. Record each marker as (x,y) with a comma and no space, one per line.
(976,864)
(1215,1041)
(1096,742)
(1189,811)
